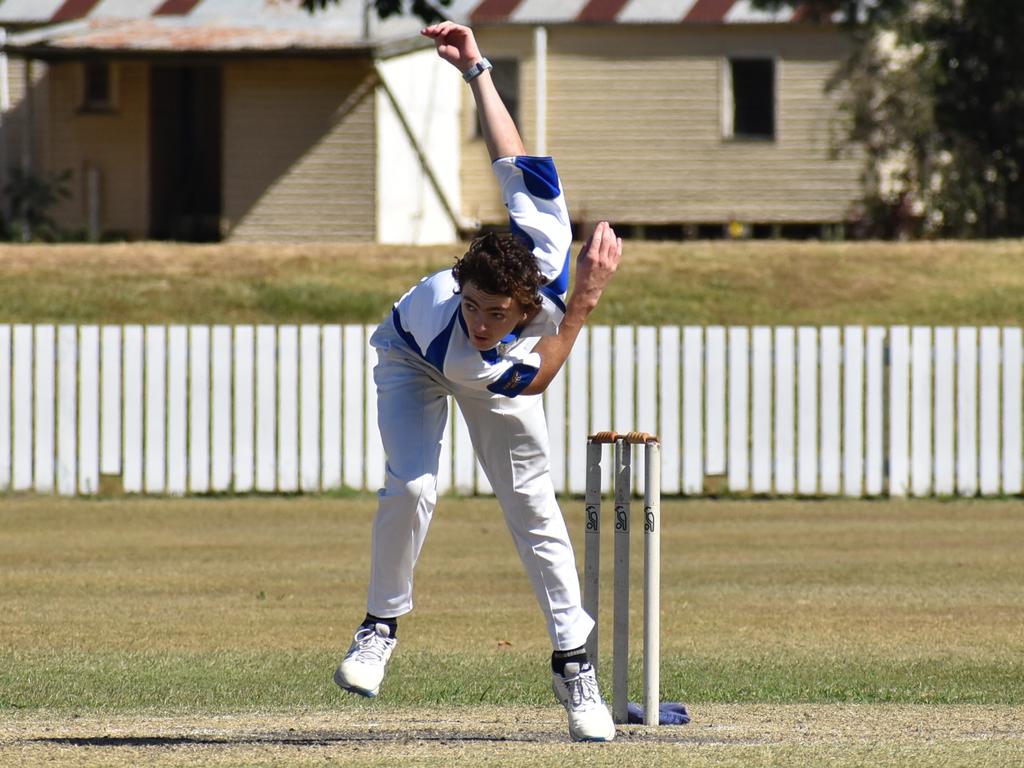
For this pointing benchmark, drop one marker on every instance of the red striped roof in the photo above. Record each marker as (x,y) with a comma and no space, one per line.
(74,9)
(623,12)
(601,10)
(176,8)
(709,11)
(493,10)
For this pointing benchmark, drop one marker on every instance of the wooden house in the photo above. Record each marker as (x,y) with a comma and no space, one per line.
(240,120)
(673,117)
(248,120)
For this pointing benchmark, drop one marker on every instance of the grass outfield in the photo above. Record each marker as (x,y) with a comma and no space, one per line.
(971,283)
(205,631)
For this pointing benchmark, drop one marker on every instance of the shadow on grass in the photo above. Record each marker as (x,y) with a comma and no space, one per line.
(310,740)
(370,736)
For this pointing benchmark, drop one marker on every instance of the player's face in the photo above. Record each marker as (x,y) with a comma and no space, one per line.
(489,317)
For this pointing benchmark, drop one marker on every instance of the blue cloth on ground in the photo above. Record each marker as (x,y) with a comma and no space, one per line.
(669,713)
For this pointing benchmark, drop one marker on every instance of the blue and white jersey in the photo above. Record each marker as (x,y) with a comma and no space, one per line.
(429,319)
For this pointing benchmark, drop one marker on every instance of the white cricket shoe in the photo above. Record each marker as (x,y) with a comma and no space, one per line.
(363,668)
(589,718)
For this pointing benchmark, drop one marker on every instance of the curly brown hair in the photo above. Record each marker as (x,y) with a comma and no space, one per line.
(500,263)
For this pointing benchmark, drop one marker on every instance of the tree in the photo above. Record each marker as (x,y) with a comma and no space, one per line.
(935,94)
(428,10)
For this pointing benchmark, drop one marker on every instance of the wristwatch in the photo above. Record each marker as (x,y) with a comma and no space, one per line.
(477,69)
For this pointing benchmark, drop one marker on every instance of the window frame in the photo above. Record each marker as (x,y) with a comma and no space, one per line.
(86,103)
(728,97)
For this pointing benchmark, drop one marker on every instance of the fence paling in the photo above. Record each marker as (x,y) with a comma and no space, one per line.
(178,409)
(966,428)
(829,442)
(899,411)
(988,426)
(853,411)
(669,424)
(945,361)
(761,411)
(578,383)
(1011,467)
(693,411)
(739,410)
(807,411)
(67,410)
(243,453)
(5,407)
(44,417)
(785,416)
(221,453)
(310,407)
(874,420)
(714,405)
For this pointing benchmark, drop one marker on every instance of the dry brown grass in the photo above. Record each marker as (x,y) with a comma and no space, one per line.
(202,632)
(769,282)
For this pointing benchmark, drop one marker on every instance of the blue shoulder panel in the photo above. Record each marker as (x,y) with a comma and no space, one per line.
(540,176)
(439,346)
(406,336)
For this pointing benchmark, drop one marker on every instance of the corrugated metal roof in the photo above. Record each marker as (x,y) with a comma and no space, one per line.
(625,12)
(173,34)
(28,11)
(209,26)
(237,11)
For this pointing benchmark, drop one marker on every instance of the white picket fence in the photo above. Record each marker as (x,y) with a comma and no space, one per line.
(803,411)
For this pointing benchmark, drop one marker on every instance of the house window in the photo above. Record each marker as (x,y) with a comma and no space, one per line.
(749,99)
(506,81)
(97,86)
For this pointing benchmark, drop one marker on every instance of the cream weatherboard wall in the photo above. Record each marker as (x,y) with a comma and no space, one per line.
(113,143)
(409,207)
(635,125)
(16,115)
(299,150)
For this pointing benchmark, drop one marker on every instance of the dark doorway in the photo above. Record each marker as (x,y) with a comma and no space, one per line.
(185,146)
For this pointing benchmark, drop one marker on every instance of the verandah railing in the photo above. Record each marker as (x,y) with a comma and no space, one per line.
(856,411)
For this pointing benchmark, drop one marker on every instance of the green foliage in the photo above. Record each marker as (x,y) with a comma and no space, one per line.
(935,92)
(31,197)
(978,96)
(428,10)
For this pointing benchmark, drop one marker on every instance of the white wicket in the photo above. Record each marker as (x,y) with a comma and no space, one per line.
(652,567)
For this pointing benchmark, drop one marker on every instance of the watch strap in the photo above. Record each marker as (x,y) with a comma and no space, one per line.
(477,69)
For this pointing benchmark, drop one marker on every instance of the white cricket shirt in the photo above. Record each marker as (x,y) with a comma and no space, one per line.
(429,319)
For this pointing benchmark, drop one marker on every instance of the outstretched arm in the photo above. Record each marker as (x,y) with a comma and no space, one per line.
(457,45)
(595,266)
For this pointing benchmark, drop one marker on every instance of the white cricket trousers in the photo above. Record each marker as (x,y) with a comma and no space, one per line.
(511,442)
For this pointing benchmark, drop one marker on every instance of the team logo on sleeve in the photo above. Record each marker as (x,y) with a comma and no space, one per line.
(514,380)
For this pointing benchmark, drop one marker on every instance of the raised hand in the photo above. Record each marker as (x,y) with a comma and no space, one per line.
(596,264)
(455,44)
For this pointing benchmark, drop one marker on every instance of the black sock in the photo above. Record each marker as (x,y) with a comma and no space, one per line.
(560,658)
(371,621)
